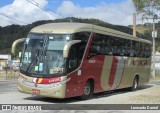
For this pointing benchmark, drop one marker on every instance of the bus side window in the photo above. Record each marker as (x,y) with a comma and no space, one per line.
(135,48)
(147,50)
(108,47)
(141,50)
(76,55)
(95,48)
(73,58)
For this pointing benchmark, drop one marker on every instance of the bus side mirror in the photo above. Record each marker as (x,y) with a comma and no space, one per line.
(68,46)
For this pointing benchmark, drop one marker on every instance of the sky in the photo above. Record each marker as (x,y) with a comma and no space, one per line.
(22,12)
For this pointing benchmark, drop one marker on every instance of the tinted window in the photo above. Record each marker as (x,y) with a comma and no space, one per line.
(135,49)
(83,36)
(109,45)
(140,49)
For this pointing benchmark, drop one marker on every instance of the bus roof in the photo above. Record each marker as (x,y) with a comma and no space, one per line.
(62,28)
(71,27)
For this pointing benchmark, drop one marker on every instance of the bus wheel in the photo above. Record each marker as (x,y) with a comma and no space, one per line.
(87,91)
(135,84)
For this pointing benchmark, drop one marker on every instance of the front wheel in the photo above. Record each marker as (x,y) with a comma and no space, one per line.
(87,91)
(135,84)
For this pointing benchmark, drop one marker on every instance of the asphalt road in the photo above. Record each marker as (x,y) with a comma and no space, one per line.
(146,94)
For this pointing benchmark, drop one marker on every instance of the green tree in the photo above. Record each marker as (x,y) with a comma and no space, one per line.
(148,8)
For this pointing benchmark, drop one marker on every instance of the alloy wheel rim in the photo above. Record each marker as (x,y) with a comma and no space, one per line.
(87,90)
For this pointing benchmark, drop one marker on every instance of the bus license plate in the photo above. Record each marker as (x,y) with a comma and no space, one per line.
(35,91)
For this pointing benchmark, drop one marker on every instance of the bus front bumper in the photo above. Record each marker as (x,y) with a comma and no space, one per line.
(54,90)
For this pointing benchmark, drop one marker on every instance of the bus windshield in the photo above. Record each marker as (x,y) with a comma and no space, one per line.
(43,54)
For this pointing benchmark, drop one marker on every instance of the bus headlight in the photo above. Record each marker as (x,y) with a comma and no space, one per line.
(60,83)
(65,81)
(56,84)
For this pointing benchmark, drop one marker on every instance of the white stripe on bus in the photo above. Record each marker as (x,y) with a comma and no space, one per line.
(119,72)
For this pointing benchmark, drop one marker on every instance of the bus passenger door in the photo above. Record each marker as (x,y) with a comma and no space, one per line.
(74,69)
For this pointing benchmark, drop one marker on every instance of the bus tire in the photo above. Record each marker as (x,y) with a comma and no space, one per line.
(135,84)
(87,91)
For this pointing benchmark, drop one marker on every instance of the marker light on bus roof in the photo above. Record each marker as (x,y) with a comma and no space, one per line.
(67,38)
(50,37)
(47,31)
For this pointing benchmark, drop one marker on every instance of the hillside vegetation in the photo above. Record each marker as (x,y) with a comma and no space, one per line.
(10,33)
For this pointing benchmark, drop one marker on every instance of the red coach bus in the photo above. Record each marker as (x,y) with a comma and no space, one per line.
(63,60)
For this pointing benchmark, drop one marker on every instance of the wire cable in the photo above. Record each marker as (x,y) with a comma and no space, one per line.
(49,9)
(8,20)
(43,8)
(12,18)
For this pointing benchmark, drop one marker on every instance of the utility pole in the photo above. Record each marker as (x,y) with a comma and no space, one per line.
(154,35)
(153,52)
(134,24)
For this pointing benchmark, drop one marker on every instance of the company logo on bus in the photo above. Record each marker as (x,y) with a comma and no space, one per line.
(140,62)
